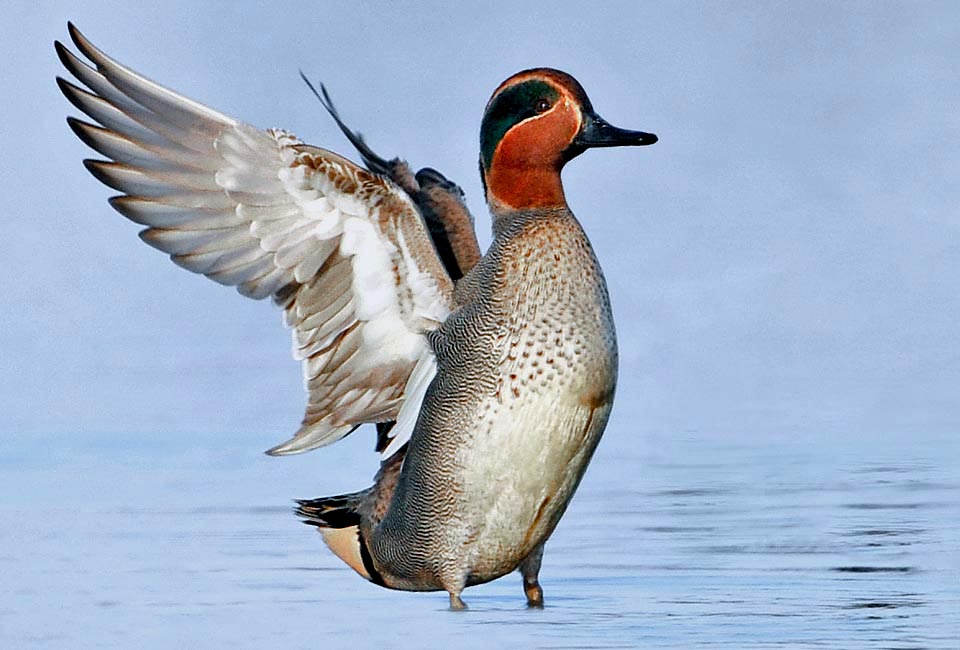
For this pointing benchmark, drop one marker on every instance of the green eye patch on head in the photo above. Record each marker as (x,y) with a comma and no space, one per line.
(509,108)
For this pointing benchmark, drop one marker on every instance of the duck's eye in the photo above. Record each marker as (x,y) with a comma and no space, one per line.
(541,106)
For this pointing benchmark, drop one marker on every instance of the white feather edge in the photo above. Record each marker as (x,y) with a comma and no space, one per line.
(416,389)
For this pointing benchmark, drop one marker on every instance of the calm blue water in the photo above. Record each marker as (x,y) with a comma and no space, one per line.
(672,542)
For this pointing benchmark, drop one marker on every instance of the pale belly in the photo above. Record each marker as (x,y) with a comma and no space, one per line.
(525,461)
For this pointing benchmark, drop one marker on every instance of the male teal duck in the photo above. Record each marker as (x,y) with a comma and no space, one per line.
(490,377)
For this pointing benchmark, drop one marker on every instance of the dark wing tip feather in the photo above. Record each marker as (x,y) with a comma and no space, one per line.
(122,205)
(101,171)
(428,176)
(68,89)
(62,52)
(82,130)
(85,46)
(374,162)
(67,58)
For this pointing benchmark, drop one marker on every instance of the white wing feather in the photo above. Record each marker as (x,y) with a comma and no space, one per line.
(344,252)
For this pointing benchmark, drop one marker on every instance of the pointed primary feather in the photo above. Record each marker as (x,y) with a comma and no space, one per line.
(343,251)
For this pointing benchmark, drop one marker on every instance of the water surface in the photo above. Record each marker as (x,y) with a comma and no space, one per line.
(672,542)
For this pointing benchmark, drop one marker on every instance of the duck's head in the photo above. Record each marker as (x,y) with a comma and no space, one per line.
(536,121)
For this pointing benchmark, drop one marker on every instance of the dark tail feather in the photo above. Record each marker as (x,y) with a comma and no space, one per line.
(330,512)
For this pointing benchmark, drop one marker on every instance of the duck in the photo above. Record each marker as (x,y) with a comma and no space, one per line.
(490,377)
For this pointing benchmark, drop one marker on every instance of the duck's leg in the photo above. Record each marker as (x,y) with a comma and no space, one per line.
(456,603)
(453,579)
(530,570)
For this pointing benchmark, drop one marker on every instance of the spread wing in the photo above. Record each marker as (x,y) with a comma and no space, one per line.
(344,252)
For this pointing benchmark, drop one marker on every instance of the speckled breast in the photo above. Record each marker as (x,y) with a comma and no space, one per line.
(555,374)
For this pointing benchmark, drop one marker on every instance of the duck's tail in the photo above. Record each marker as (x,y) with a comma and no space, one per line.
(343,518)
(338,520)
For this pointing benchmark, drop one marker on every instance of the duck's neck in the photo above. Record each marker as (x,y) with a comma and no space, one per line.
(524,187)
(518,189)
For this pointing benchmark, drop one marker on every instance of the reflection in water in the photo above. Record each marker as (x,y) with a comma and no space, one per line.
(788,544)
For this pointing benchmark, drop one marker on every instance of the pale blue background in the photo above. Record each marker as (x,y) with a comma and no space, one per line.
(784,263)
(786,258)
